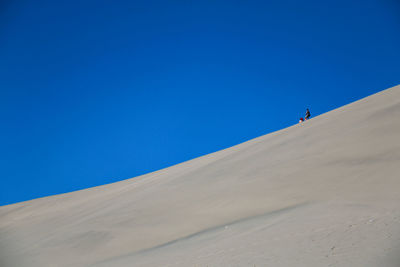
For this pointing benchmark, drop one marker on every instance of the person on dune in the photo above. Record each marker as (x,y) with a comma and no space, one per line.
(308,115)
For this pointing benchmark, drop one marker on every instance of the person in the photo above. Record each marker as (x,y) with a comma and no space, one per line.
(301,120)
(307,114)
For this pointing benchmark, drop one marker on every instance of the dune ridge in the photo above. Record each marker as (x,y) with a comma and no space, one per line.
(321,193)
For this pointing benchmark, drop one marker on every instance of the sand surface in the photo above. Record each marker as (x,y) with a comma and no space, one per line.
(322,193)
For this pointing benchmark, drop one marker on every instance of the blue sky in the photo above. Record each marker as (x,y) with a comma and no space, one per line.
(94,92)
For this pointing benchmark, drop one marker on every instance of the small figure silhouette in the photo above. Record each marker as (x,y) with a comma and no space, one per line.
(308,115)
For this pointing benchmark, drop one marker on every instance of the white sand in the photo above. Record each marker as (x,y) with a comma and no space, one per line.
(322,193)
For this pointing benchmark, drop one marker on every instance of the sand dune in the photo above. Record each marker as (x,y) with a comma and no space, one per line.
(322,193)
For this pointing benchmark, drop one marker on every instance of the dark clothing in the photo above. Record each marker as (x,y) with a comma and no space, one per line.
(308,114)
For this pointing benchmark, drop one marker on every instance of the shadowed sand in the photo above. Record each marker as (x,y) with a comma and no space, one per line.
(322,193)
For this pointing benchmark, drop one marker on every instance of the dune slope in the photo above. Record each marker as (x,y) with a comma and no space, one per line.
(322,193)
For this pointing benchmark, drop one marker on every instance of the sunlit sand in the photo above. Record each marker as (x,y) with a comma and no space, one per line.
(325,192)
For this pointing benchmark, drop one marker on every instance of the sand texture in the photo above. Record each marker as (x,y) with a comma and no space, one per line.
(322,193)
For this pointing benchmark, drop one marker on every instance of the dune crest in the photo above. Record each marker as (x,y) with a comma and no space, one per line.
(321,193)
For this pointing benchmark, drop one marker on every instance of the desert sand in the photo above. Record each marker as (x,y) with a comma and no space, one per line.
(325,192)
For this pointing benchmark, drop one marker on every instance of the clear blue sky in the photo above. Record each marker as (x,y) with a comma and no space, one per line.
(94,92)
